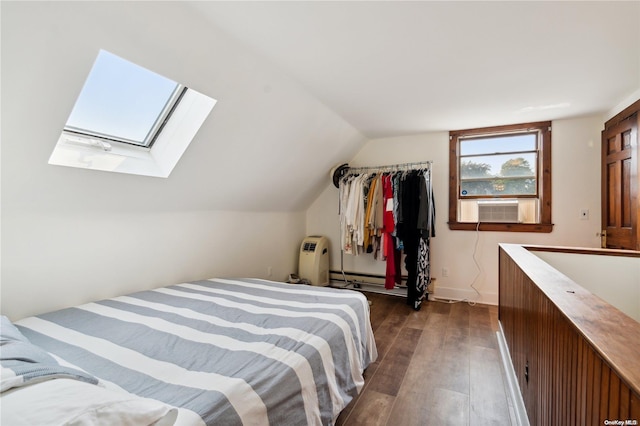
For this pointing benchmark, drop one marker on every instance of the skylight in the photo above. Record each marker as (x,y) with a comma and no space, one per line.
(128,119)
(123,102)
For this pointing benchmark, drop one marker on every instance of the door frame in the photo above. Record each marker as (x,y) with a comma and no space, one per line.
(634,184)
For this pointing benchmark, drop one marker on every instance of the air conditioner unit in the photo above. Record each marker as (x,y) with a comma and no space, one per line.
(498,211)
(314,260)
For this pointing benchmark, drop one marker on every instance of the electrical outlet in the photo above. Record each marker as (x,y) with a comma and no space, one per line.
(584,214)
(445,272)
(269,271)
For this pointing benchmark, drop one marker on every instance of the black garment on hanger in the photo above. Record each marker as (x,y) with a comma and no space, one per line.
(415,228)
(409,233)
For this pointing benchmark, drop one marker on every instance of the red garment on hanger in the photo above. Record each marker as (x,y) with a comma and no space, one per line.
(389,226)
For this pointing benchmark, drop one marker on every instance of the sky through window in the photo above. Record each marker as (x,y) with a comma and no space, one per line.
(121,100)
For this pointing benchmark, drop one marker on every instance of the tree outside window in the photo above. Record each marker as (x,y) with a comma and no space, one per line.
(510,163)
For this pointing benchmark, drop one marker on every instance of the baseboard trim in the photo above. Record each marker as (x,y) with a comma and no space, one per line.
(512,381)
(464,294)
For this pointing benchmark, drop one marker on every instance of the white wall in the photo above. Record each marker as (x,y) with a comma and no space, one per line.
(54,260)
(71,235)
(230,207)
(265,128)
(575,186)
(615,279)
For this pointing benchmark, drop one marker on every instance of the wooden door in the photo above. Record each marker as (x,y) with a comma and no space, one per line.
(620,184)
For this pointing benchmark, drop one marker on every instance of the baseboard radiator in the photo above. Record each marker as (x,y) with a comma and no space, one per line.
(362,278)
(576,358)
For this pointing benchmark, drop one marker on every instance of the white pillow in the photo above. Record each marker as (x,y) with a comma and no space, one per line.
(74,403)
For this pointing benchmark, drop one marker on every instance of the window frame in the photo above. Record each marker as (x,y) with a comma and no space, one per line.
(122,73)
(543,176)
(535,152)
(170,133)
(154,131)
(158,161)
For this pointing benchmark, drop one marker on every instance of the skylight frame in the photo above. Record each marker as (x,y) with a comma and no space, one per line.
(170,122)
(123,102)
(154,131)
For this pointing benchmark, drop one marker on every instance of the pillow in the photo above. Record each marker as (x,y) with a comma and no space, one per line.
(74,403)
(9,332)
(23,363)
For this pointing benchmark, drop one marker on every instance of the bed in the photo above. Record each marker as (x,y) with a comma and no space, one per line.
(219,351)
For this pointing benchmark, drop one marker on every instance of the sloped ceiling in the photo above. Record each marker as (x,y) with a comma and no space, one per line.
(400,67)
(268,144)
(300,85)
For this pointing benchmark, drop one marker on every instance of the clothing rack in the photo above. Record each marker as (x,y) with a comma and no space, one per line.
(350,171)
(390,167)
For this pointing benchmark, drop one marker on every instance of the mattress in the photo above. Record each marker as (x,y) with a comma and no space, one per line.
(232,351)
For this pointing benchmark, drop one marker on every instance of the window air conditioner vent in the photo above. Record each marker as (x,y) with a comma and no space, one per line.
(498,211)
(311,247)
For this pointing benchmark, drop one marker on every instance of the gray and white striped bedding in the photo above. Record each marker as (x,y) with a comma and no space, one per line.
(246,351)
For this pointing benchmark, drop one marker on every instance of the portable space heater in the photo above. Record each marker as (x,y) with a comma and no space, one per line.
(314,260)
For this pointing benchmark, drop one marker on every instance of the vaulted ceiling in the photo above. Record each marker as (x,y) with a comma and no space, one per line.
(301,86)
(395,67)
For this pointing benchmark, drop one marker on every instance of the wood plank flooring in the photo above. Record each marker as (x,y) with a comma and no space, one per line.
(437,366)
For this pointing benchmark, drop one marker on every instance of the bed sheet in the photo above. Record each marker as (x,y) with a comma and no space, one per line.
(234,351)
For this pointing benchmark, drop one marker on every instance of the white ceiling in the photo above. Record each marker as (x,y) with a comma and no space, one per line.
(301,86)
(393,68)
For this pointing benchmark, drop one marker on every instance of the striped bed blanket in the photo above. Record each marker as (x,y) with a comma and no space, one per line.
(241,351)
(23,363)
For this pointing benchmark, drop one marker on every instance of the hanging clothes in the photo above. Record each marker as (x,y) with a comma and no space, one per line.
(352,213)
(387,215)
(378,220)
(369,201)
(388,229)
(409,234)
(426,227)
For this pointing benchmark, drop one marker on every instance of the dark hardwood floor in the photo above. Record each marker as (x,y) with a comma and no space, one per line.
(437,366)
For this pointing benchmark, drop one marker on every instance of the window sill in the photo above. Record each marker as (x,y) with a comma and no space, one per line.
(157,161)
(501,227)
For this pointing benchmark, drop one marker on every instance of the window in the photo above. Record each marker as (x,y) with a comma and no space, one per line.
(500,178)
(128,119)
(123,102)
